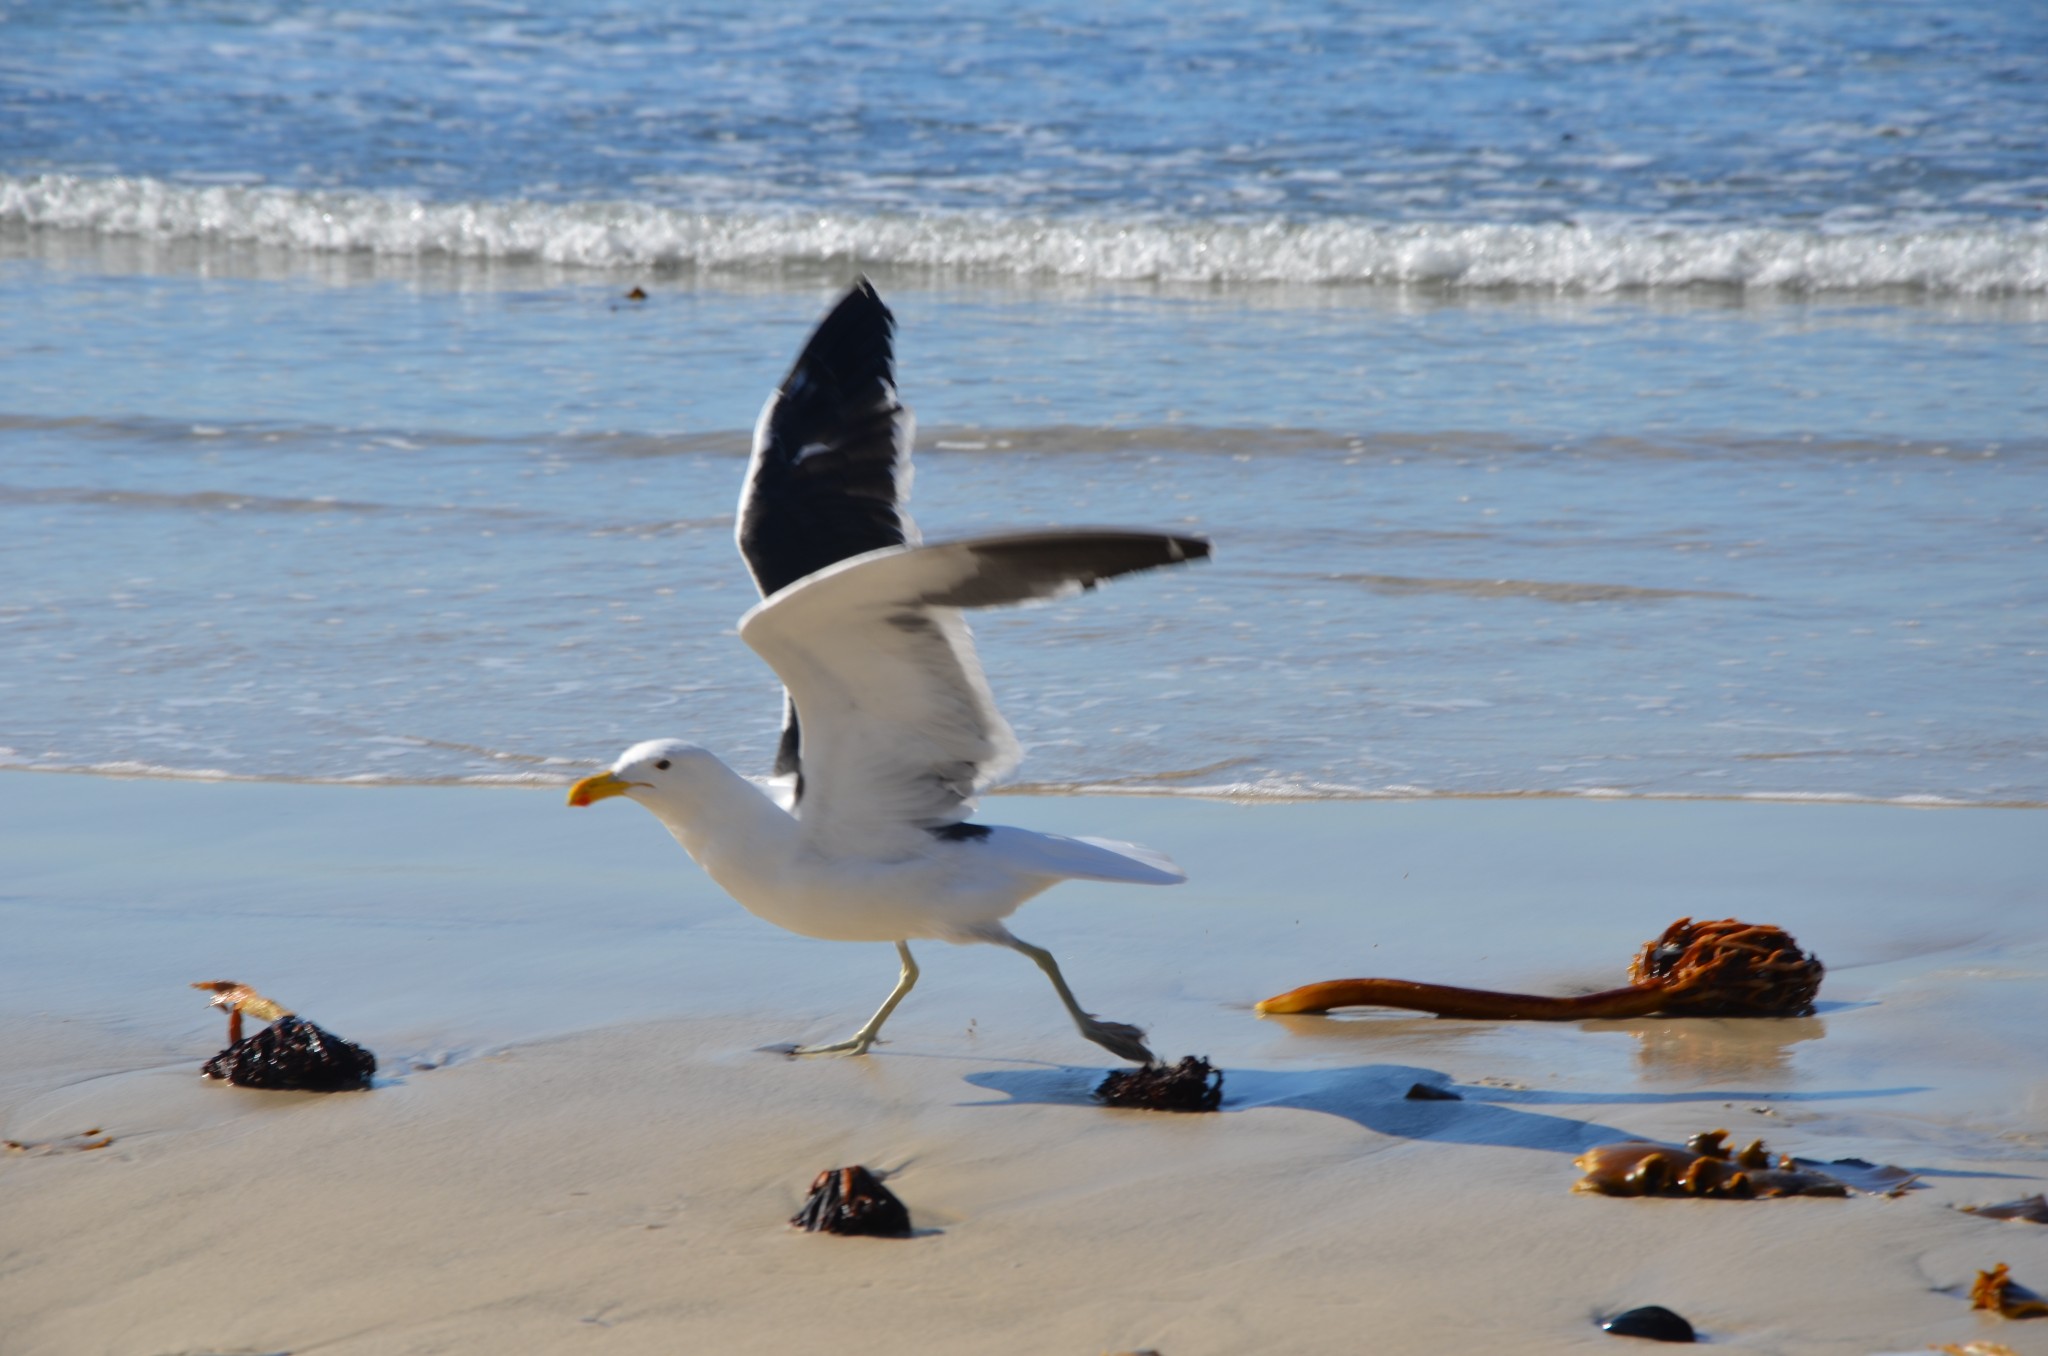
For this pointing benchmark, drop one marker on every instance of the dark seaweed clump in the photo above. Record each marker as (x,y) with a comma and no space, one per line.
(1191,1085)
(852,1201)
(293,1055)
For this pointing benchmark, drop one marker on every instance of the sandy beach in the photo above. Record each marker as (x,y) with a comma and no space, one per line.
(577,1144)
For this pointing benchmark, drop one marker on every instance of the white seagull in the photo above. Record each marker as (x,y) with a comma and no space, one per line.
(890,728)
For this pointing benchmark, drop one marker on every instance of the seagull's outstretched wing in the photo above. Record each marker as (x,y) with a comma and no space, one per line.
(900,729)
(831,462)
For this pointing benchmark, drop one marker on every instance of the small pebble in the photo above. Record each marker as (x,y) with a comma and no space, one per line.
(1427,1092)
(1652,1321)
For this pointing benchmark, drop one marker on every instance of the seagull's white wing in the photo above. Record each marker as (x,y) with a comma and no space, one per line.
(900,730)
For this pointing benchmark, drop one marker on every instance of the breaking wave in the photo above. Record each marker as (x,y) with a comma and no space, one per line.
(1614,256)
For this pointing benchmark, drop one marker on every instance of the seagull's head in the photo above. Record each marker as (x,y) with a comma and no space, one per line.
(654,772)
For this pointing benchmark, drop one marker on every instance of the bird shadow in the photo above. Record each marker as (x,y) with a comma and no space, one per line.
(1376,1097)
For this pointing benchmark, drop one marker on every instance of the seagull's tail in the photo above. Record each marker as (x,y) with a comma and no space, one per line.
(1087,858)
(1137,863)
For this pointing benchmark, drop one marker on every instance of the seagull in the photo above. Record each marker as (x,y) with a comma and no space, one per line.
(889,730)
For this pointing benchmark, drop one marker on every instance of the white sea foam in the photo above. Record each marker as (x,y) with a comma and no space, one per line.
(1964,260)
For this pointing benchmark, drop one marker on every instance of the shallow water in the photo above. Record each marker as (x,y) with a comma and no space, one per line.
(1550,442)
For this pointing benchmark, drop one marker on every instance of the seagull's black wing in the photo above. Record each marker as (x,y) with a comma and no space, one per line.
(831,463)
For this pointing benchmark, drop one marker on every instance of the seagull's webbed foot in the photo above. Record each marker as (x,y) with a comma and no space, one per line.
(1119,1038)
(861,1040)
(857,1044)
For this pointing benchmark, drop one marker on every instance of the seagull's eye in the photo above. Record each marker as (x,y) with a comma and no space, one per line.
(661,766)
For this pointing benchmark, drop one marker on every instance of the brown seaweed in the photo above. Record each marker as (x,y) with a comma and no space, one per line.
(2033,1209)
(1706,1167)
(1725,968)
(1997,1290)
(81,1142)
(852,1201)
(1191,1085)
(238,999)
(289,1055)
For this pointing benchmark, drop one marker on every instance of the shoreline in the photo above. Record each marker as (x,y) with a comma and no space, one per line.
(578,1141)
(1229,795)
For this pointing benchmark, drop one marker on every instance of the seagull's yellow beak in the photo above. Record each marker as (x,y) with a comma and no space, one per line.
(601,787)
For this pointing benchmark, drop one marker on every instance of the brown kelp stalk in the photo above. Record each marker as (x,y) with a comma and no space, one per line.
(1726,968)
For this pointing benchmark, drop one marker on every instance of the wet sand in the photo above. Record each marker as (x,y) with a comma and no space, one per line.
(577,1142)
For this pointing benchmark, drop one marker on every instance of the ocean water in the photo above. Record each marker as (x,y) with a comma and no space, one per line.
(1624,399)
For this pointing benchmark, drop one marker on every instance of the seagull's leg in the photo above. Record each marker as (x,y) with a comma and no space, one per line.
(1118,1038)
(860,1041)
